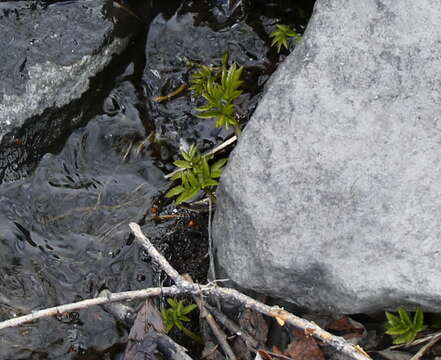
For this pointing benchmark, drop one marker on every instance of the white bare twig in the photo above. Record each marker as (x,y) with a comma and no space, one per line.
(282,316)
(415,342)
(426,347)
(233,327)
(213,151)
(116,297)
(215,328)
(185,287)
(222,146)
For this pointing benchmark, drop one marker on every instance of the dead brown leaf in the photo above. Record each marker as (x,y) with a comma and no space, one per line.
(255,324)
(304,348)
(276,350)
(140,343)
(347,328)
(264,355)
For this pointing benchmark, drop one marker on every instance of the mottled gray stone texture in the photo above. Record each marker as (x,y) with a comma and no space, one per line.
(332,198)
(48,53)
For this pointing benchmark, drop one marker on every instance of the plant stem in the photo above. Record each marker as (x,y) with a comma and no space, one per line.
(237,130)
(212,271)
(191,335)
(210,195)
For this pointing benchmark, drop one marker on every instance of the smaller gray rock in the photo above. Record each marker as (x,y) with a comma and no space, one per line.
(48,55)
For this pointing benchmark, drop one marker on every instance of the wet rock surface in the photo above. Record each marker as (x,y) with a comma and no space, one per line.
(188,37)
(51,54)
(331,199)
(73,176)
(64,236)
(201,32)
(50,51)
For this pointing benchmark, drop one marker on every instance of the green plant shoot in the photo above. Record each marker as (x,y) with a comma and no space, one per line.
(403,328)
(281,36)
(220,98)
(200,79)
(176,315)
(196,175)
(220,87)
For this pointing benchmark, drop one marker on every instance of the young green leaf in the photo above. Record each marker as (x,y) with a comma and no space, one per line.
(193,180)
(175,191)
(205,169)
(189,308)
(187,195)
(281,36)
(197,175)
(210,182)
(200,78)
(225,59)
(405,317)
(172,302)
(418,320)
(175,315)
(216,174)
(183,164)
(397,330)
(177,175)
(184,179)
(219,164)
(392,319)
(403,328)
(220,95)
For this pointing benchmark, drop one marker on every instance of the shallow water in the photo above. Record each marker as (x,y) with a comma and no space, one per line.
(64,227)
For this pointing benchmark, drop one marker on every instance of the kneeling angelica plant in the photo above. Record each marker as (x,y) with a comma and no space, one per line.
(196,175)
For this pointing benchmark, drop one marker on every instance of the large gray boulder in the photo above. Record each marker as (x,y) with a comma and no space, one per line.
(332,198)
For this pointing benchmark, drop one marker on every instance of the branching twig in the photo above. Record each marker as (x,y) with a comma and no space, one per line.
(282,316)
(233,327)
(219,334)
(116,297)
(211,269)
(222,146)
(185,287)
(217,331)
(173,94)
(415,342)
(161,260)
(426,347)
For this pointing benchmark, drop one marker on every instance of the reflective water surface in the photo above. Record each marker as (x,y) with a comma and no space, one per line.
(63,218)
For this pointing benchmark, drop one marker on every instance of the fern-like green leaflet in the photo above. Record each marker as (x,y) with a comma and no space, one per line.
(403,328)
(195,174)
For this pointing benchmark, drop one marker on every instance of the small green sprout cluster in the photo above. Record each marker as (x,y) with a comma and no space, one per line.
(176,315)
(220,87)
(281,36)
(403,328)
(195,175)
(200,79)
